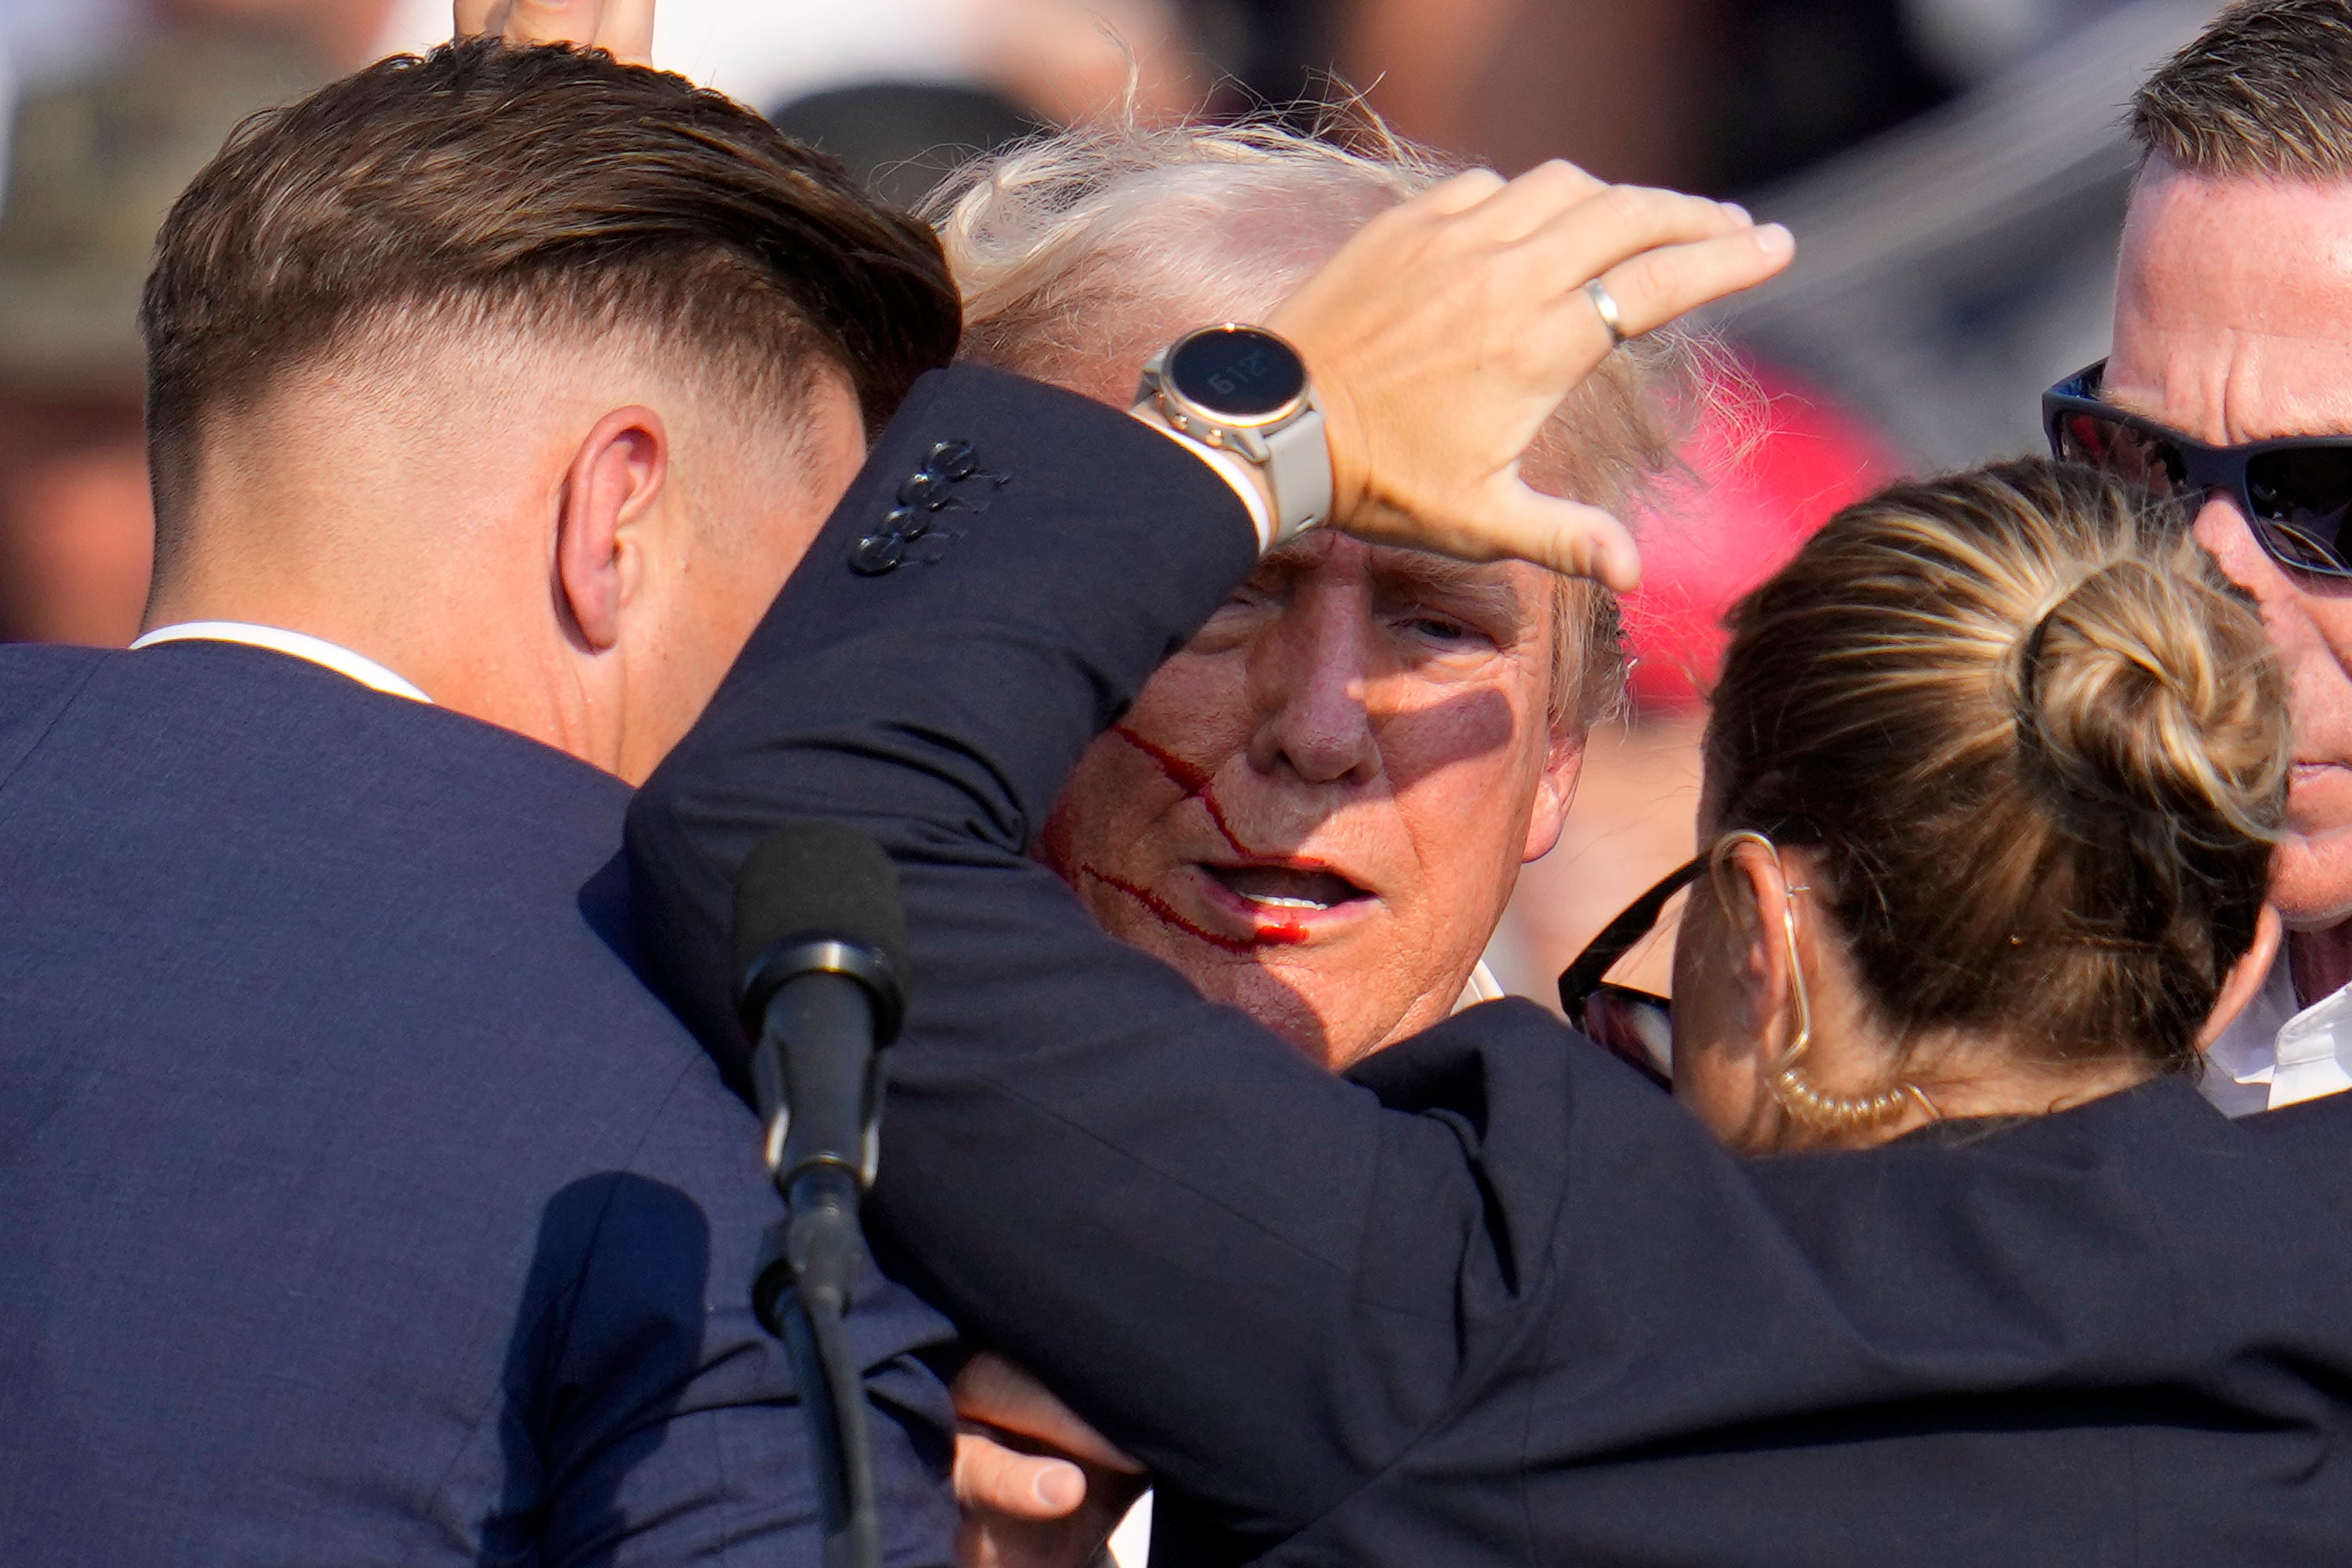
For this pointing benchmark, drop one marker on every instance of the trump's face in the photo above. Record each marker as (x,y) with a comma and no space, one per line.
(1317,811)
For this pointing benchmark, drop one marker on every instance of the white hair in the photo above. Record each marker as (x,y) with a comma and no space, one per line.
(1074,250)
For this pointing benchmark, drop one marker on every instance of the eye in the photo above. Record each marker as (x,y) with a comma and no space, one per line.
(1241,618)
(1438,629)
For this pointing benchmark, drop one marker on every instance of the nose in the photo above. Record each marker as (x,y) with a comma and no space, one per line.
(2229,538)
(1309,676)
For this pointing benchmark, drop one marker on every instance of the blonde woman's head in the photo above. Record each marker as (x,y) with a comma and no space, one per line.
(1998,762)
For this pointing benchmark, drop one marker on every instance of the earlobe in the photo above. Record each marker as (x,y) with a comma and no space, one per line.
(613,480)
(2246,977)
(1555,793)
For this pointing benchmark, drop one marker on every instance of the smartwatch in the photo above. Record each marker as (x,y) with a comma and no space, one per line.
(1243,390)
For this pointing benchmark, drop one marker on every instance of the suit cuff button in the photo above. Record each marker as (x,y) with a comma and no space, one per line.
(877,553)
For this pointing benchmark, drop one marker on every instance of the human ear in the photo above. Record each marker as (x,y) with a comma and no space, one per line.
(614,478)
(1752,888)
(1555,792)
(2245,979)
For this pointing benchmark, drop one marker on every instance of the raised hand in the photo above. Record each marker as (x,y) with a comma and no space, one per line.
(624,28)
(1446,331)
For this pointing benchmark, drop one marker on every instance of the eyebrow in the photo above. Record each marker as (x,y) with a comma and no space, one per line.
(1420,569)
(1395,566)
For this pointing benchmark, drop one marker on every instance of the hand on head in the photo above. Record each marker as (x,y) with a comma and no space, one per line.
(1448,329)
(624,28)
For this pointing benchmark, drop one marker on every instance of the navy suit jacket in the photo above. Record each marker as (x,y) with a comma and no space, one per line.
(358,1203)
(1493,1299)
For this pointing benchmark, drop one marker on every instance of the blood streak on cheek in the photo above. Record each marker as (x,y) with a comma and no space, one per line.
(1194,782)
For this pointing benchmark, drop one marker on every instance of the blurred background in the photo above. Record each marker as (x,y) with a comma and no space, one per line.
(1955,171)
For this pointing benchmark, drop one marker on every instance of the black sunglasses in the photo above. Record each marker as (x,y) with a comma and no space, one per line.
(1635,1025)
(2295,492)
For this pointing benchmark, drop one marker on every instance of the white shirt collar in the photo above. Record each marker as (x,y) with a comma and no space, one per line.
(299,644)
(2272,1055)
(1482,986)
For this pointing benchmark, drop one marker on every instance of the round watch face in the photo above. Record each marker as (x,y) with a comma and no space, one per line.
(1237,374)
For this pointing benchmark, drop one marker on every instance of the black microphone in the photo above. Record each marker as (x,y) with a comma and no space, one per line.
(821,966)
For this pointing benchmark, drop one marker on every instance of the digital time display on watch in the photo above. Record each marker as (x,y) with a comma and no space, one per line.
(1236,372)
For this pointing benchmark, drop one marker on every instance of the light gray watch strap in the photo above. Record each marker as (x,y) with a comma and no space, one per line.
(1299,467)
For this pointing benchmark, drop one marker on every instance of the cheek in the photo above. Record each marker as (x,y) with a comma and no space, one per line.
(1120,811)
(1099,805)
(1465,771)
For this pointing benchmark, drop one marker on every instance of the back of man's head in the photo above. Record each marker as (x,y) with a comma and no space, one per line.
(2265,91)
(544,191)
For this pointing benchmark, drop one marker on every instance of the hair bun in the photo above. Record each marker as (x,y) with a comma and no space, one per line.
(2152,689)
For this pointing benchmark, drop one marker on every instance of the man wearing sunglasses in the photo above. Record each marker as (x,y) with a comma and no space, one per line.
(2230,380)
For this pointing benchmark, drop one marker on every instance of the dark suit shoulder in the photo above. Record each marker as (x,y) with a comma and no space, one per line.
(36,684)
(2316,1137)
(338,1126)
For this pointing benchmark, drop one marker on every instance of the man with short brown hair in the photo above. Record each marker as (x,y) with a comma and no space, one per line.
(362,1204)
(2230,377)
(650,333)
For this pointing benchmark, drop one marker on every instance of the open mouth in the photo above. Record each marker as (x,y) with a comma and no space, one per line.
(1286,888)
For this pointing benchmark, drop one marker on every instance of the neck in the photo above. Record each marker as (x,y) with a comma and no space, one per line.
(456,640)
(1978,1078)
(2320,962)
(2030,1091)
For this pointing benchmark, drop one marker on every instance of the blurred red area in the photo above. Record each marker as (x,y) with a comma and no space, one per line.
(1769,462)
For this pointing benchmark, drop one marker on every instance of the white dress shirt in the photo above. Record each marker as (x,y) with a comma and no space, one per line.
(2271,1054)
(299,644)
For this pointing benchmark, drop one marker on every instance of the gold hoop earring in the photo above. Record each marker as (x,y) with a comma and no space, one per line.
(1821,1111)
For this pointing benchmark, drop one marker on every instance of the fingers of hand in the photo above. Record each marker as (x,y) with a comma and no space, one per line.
(1619,223)
(992,1479)
(1457,195)
(627,30)
(475,17)
(624,27)
(1507,520)
(1534,200)
(993,1390)
(1565,535)
(551,21)
(1656,286)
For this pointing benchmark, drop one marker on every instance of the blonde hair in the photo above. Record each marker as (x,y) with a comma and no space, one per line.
(1073,251)
(2040,744)
(2265,90)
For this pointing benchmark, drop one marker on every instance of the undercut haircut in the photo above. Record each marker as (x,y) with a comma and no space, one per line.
(2265,91)
(549,190)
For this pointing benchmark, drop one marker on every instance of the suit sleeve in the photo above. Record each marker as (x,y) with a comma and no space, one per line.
(655,1422)
(1155,1204)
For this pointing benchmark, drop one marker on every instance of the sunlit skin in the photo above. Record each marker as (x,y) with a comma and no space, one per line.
(625,529)
(2233,323)
(1317,811)
(1756,935)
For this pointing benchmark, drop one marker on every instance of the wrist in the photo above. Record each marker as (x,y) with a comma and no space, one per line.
(1247,481)
(1243,394)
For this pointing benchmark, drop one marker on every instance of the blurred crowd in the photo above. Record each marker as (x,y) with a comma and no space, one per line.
(1954,168)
